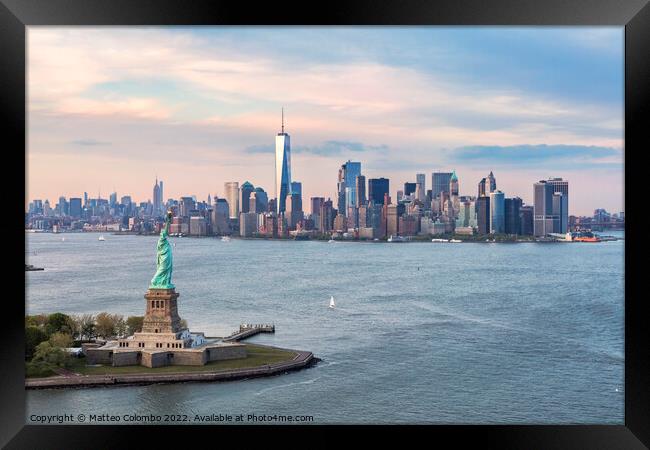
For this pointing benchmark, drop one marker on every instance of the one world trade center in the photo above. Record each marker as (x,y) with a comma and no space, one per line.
(282,168)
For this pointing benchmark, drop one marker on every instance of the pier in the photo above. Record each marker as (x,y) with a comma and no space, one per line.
(247,330)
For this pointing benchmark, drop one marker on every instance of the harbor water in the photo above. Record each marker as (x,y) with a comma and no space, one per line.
(433,333)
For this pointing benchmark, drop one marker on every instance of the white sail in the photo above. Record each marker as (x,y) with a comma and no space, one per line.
(332,304)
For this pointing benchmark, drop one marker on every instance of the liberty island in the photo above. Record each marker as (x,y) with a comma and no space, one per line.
(164,341)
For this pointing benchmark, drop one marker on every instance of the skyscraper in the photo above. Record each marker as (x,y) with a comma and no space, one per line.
(352,171)
(561,186)
(543,208)
(420,181)
(75,207)
(162,198)
(409,188)
(156,197)
(483,214)
(231,189)
(246,190)
(296,187)
(439,183)
(487,185)
(377,189)
(361,190)
(512,215)
(261,200)
(340,190)
(282,167)
(497,212)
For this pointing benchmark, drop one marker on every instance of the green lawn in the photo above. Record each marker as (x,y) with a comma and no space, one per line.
(257,356)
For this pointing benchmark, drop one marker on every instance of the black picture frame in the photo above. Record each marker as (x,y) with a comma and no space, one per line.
(16,15)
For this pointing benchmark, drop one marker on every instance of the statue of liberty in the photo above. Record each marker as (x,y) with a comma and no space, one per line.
(163,277)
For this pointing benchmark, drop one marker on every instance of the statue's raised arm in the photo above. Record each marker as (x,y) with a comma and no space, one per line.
(163,277)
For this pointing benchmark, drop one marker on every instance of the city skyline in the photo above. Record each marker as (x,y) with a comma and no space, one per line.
(403,101)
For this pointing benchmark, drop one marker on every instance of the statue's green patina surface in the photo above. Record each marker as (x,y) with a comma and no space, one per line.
(163,277)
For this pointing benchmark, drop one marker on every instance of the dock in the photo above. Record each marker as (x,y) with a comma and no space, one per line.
(247,330)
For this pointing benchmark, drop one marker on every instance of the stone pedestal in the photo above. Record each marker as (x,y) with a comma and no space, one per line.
(161,314)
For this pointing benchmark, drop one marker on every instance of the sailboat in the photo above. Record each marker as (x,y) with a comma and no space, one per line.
(332,304)
(101,238)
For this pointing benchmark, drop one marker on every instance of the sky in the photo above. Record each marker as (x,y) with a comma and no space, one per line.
(112,108)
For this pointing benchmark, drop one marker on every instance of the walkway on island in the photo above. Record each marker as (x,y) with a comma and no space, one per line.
(302,360)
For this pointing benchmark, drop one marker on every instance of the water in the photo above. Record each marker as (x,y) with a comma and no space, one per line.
(422,332)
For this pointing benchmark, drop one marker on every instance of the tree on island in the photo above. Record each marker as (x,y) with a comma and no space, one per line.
(33,336)
(134,324)
(46,359)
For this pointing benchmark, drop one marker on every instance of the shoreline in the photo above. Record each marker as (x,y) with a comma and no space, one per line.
(302,360)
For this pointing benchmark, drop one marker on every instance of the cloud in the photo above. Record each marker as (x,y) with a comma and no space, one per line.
(336,148)
(264,148)
(89,142)
(527,155)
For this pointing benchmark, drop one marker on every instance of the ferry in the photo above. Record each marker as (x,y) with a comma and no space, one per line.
(583,236)
(392,238)
(455,240)
(439,240)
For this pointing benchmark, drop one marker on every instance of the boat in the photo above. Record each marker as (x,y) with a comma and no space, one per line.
(62,239)
(332,304)
(101,238)
(455,240)
(30,267)
(392,238)
(439,240)
(225,239)
(331,241)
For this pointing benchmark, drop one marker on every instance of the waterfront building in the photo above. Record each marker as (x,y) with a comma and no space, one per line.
(543,208)
(247,224)
(231,189)
(512,216)
(560,214)
(483,215)
(408,225)
(497,212)
(246,190)
(526,214)
(221,217)
(560,186)
(378,188)
(440,183)
(392,220)
(282,167)
(198,226)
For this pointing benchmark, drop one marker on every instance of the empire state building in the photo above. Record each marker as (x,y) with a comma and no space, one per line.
(282,168)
